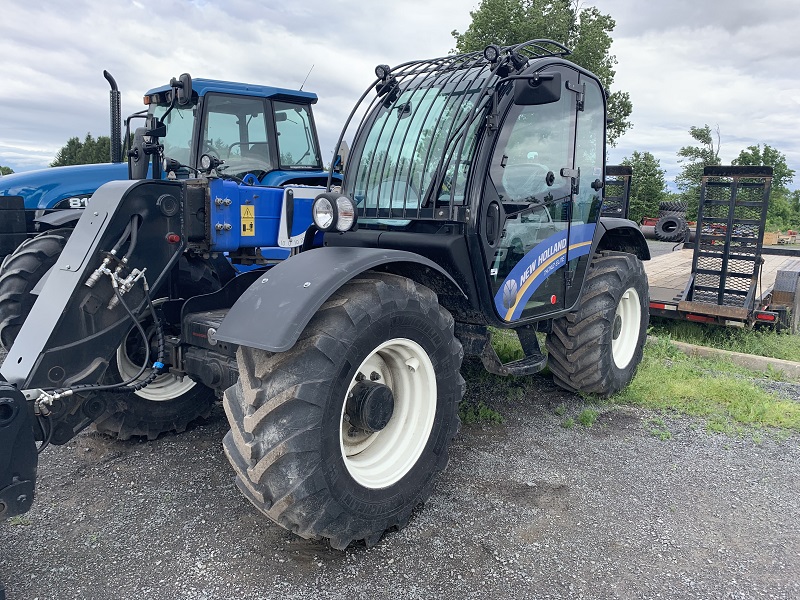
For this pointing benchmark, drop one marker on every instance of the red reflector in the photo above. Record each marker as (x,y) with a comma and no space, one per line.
(700,319)
(765,317)
(553,299)
(657,305)
(173,238)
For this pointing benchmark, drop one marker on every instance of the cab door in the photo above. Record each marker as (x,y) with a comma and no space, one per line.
(531,183)
(588,178)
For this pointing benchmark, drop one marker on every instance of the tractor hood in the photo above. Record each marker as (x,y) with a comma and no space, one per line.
(60,187)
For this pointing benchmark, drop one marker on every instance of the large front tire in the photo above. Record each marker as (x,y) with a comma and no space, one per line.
(302,457)
(597,348)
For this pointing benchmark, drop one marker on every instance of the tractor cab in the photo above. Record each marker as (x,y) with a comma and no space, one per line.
(261,132)
(503,149)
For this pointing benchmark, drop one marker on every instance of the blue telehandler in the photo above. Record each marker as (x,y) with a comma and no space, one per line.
(471,200)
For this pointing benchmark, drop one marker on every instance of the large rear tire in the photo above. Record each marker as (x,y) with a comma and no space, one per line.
(20,272)
(301,454)
(597,348)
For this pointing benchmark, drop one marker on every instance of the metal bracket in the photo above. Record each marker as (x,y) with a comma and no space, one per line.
(579,89)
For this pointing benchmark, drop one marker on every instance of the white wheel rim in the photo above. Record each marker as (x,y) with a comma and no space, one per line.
(162,388)
(377,460)
(625,329)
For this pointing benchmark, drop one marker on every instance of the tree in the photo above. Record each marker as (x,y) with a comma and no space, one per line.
(694,159)
(584,30)
(782,211)
(648,186)
(6,170)
(89,151)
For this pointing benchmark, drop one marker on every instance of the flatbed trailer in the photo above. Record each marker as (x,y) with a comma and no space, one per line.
(727,278)
(669,275)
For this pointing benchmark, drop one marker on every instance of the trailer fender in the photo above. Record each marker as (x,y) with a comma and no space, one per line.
(621,235)
(274,310)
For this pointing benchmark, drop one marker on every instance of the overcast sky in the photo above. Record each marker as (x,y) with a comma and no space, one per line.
(726,63)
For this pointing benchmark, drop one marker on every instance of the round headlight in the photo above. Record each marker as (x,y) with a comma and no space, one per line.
(382,71)
(347,213)
(205,162)
(323,212)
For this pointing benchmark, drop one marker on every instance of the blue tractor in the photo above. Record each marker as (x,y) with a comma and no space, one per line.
(258,134)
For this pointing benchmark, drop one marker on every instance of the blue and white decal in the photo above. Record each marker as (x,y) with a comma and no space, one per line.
(537,265)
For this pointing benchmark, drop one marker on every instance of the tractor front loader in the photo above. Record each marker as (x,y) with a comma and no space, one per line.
(471,200)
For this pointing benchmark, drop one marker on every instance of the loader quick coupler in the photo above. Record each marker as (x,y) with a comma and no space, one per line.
(18,455)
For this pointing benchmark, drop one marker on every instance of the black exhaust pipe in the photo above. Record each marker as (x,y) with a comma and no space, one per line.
(116,120)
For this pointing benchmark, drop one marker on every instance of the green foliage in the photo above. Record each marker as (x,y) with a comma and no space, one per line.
(714,390)
(659,429)
(760,342)
(86,152)
(586,31)
(694,159)
(648,186)
(568,423)
(587,417)
(477,413)
(6,170)
(783,213)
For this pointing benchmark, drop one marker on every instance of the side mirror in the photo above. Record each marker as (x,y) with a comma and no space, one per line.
(184,89)
(540,88)
(138,158)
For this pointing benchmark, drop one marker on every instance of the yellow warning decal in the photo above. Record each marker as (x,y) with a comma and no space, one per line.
(248,220)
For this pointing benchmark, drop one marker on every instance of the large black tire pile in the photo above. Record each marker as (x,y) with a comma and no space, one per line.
(671,225)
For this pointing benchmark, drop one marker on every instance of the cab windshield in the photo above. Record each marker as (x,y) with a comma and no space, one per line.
(180,125)
(409,136)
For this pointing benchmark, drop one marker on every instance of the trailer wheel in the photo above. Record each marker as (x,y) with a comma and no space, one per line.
(20,272)
(597,348)
(343,435)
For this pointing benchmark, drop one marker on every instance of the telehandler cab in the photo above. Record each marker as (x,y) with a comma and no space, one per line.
(471,199)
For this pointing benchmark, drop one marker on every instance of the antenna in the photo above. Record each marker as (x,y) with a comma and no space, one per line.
(306,79)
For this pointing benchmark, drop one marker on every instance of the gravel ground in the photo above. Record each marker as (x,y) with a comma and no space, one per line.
(527,509)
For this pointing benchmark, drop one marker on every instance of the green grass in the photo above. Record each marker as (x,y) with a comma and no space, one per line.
(761,342)
(587,417)
(667,380)
(477,413)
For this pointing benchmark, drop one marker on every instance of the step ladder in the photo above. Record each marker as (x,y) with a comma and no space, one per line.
(730,233)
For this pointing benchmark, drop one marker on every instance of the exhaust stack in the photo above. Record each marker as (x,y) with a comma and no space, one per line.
(116,119)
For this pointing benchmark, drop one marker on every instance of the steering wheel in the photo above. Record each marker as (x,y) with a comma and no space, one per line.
(208,148)
(525,180)
(230,148)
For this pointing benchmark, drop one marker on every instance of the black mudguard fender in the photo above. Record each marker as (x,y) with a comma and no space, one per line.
(621,235)
(274,310)
(60,217)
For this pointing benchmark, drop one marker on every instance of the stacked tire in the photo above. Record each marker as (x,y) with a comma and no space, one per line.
(671,225)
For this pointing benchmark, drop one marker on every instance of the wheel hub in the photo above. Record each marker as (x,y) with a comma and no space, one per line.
(617,328)
(370,406)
